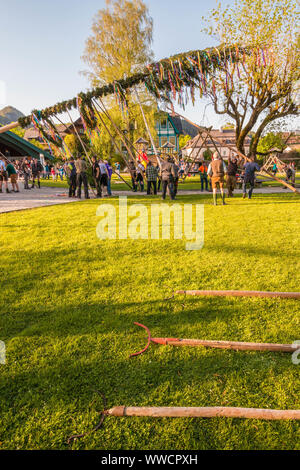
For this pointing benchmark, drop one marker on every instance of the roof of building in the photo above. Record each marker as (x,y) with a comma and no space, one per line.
(140,140)
(225,136)
(33,133)
(63,129)
(168,145)
(183,127)
(21,146)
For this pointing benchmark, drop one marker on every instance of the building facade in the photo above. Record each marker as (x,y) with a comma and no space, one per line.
(169,128)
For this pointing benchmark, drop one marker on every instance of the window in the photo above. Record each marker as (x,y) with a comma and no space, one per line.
(163,123)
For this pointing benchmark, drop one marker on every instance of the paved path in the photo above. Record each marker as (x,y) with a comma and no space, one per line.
(51,196)
(29,199)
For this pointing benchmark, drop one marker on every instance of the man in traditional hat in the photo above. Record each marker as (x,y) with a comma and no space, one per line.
(217,170)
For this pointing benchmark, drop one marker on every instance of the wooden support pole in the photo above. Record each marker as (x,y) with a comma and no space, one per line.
(199,150)
(193,147)
(203,412)
(8,127)
(122,137)
(235,345)
(114,143)
(240,293)
(84,148)
(147,127)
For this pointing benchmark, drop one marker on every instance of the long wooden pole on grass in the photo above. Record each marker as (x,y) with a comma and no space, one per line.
(202,412)
(240,293)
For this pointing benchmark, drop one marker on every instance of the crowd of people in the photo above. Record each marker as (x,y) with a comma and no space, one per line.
(77,173)
(212,177)
(146,176)
(12,170)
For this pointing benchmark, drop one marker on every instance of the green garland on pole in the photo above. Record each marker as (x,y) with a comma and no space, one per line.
(189,69)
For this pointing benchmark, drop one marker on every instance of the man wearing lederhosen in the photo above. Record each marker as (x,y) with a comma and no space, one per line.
(216,171)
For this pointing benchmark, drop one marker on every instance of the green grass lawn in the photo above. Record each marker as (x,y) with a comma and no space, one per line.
(68,303)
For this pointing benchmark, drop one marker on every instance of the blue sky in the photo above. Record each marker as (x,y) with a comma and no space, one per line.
(42,43)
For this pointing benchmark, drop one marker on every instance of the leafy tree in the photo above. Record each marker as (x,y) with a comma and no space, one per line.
(120,45)
(262,88)
(183,140)
(121,41)
(73,144)
(270,141)
(19,131)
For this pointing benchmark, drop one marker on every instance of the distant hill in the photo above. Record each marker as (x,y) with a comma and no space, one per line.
(9,114)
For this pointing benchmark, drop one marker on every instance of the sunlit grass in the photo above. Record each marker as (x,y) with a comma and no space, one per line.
(69,300)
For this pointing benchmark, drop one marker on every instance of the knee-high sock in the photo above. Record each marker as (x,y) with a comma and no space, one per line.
(215,196)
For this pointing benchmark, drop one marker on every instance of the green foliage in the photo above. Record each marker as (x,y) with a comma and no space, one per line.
(121,41)
(132,128)
(263,88)
(207,154)
(73,144)
(70,303)
(183,140)
(269,141)
(18,131)
(38,144)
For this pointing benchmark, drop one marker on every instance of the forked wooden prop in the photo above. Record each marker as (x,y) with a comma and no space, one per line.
(236,345)
(240,293)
